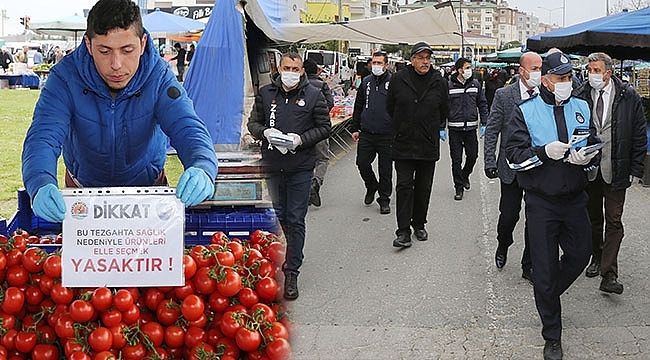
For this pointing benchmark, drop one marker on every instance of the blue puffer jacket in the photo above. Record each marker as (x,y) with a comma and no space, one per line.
(110,141)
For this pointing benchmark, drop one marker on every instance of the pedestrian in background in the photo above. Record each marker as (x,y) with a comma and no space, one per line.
(180,61)
(5,58)
(492,83)
(417,103)
(618,116)
(290,116)
(553,173)
(505,102)
(466,103)
(38,56)
(22,55)
(190,54)
(371,128)
(322,147)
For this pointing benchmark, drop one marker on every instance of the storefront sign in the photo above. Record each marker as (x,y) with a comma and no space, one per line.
(122,237)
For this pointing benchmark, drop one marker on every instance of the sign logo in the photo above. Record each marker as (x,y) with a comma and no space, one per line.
(79,210)
(182,11)
(165,210)
(579,118)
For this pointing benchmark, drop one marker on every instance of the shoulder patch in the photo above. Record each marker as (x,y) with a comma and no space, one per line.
(579,118)
(173,92)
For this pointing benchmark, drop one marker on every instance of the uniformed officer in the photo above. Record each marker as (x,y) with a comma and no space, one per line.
(548,147)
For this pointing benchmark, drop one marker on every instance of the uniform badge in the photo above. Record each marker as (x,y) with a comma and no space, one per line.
(386,85)
(301,102)
(579,118)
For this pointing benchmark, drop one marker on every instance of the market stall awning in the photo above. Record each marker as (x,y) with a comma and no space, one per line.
(74,25)
(625,35)
(162,24)
(435,24)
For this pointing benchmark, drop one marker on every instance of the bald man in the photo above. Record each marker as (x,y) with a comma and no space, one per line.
(503,105)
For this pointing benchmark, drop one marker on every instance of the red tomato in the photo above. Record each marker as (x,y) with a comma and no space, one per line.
(230,284)
(61,294)
(17,275)
(134,352)
(111,317)
(174,336)
(264,268)
(25,341)
(201,256)
(277,330)
(64,326)
(45,352)
(248,297)
(218,303)
(20,243)
(237,249)
(8,340)
(100,339)
(45,284)
(33,259)
(52,266)
(105,355)
(229,347)
(253,256)
(78,355)
(181,292)
(71,346)
(225,258)
(123,300)
(229,324)
(219,238)
(14,299)
(258,237)
(33,295)
(192,307)
(102,298)
(153,297)
(276,252)
(248,340)
(262,313)
(132,315)
(203,283)
(14,257)
(278,349)
(7,321)
(189,266)
(82,311)
(195,336)
(168,312)
(3,260)
(118,336)
(201,322)
(154,331)
(267,288)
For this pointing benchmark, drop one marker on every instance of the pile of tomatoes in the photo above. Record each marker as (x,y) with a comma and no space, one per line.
(228,308)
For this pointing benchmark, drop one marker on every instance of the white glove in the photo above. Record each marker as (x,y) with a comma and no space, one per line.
(269,132)
(297,141)
(579,157)
(556,149)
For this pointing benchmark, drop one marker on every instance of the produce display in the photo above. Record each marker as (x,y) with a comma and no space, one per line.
(42,67)
(228,308)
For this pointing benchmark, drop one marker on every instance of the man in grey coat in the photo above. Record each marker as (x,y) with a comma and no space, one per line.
(503,105)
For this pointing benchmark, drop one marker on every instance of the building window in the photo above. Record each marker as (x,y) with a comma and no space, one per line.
(488,19)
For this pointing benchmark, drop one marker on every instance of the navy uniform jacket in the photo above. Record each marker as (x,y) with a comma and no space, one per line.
(537,122)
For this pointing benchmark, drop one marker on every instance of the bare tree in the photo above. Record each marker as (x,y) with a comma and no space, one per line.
(630,5)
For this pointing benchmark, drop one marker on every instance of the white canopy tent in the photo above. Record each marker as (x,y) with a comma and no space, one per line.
(435,25)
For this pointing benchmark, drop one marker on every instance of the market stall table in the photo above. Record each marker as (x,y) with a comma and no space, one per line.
(24,80)
(339,128)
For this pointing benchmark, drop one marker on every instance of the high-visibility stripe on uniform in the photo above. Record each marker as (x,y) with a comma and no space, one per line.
(462,91)
(526,165)
(463,124)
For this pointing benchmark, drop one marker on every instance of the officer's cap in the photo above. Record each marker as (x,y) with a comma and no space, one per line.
(420,47)
(556,63)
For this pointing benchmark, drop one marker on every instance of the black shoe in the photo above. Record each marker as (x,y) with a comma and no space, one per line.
(370,197)
(459,195)
(466,184)
(421,235)
(403,240)
(501,257)
(384,208)
(553,350)
(314,196)
(610,285)
(291,286)
(593,270)
(528,275)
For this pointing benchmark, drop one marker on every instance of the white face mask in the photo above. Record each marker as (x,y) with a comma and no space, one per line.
(467,73)
(596,81)
(563,90)
(290,78)
(535,79)
(377,70)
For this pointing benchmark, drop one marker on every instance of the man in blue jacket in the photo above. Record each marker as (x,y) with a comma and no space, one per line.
(109,108)
(466,103)
(546,146)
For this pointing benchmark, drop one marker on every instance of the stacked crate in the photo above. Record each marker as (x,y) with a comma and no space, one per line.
(643,84)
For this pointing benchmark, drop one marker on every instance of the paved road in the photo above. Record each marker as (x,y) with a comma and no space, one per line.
(361,298)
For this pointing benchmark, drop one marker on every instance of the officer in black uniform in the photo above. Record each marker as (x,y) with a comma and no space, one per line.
(548,149)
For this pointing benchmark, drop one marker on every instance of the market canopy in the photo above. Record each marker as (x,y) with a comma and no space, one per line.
(512,55)
(67,26)
(436,25)
(162,24)
(625,35)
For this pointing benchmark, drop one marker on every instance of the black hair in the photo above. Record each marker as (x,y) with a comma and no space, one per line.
(177,45)
(107,15)
(381,53)
(310,66)
(461,62)
(292,56)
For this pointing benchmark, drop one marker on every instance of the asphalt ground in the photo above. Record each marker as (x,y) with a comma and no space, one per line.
(361,298)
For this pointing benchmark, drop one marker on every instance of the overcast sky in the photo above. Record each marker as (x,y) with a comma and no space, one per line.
(39,11)
(577,11)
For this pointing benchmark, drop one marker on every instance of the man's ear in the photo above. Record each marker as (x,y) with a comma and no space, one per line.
(87,42)
(143,43)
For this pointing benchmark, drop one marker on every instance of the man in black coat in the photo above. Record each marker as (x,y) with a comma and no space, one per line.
(290,116)
(618,115)
(417,104)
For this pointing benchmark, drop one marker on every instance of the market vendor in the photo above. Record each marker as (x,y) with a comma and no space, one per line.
(109,107)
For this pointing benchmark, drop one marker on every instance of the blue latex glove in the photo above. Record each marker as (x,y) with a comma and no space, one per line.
(443,135)
(194,186)
(48,204)
(482,131)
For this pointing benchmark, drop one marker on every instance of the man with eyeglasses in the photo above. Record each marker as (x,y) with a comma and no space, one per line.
(549,146)
(417,104)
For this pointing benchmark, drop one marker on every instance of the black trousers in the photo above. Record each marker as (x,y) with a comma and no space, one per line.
(459,140)
(509,209)
(553,225)
(369,147)
(414,181)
